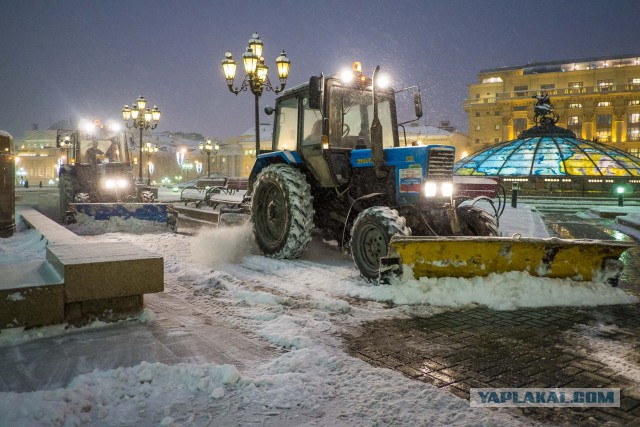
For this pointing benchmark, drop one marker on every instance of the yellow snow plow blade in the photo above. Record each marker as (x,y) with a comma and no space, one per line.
(578,259)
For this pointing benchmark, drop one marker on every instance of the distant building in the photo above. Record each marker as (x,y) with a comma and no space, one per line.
(444,134)
(597,98)
(237,154)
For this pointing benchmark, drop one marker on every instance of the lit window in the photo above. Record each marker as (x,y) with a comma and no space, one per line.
(634,102)
(634,152)
(605,85)
(477,127)
(573,120)
(492,80)
(519,90)
(634,81)
(575,105)
(604,104)
(634,118)
(497,127)
(575,85)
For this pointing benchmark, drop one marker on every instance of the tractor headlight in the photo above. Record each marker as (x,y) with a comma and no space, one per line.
(113,183)
(430,189)
(437,188)
(447,189)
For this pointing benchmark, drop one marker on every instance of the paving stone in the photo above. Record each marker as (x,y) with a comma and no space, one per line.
(596,380)
(482,348)
(410,371)
(627,403)
(430,366)
(433,380)
(451,388)
(588,365)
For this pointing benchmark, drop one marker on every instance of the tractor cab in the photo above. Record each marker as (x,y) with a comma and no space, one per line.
(326,119)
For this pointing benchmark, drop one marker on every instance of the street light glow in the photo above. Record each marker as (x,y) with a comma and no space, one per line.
(383,81)
(346,76)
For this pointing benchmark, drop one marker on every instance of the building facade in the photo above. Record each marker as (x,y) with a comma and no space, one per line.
(443,134)
(597,98)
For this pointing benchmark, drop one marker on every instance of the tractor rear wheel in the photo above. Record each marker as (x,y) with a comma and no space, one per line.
(475,221)
(282,211)
(370,237)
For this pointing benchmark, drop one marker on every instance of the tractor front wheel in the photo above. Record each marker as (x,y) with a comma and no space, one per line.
(282,211)
(475,221)
(370,237)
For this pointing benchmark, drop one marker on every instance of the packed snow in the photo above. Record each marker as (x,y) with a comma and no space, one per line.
(300,307)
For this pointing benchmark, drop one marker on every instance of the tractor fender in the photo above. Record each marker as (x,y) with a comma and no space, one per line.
(266,159)
(357,206)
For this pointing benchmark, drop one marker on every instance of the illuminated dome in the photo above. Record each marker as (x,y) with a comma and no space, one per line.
(549,151)
(551,154)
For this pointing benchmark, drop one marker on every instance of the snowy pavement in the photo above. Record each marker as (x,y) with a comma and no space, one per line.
(237,338)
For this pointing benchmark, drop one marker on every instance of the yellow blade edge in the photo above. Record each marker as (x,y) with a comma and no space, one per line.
(578,259)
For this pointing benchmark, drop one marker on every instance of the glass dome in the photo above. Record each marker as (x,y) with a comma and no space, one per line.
(549,155)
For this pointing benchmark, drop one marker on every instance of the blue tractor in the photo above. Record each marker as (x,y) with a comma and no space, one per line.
(338,165)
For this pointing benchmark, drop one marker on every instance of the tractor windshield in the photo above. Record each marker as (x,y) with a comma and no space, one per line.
(351,113)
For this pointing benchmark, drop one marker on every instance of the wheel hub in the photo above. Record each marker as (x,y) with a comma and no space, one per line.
(374,245)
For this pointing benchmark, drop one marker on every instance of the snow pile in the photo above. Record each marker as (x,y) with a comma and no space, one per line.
(313,385)
(506,291)
(123,394)
(23,245)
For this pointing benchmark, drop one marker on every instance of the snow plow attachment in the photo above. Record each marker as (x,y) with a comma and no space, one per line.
(159,213)
(578,259)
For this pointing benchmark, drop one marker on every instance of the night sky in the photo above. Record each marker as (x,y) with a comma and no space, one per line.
(62,59)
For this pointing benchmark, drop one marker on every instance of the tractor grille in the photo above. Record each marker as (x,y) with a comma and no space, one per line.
(440,163)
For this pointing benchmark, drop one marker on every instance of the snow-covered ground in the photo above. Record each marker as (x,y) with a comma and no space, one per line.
(298,306)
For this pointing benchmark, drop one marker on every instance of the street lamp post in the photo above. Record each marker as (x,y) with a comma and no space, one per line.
(208,148)
(149,151)
(256,78)
(67,142)
(141,117)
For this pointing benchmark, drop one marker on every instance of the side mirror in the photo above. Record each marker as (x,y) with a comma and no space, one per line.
(268,110)
(417,104)
(315,92)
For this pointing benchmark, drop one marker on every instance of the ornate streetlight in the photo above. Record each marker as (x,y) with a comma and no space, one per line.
(67,142)
(149,151)
(256,78)
(141,117)
(208,148)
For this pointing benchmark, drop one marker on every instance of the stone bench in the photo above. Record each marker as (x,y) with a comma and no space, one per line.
(104,281)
